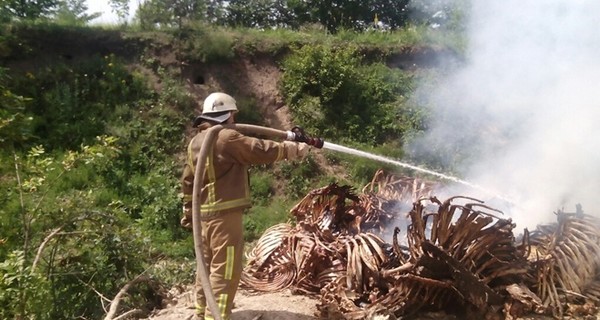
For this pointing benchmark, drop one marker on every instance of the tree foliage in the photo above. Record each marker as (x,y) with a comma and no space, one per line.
(333,14)
(170,13)
(120,8)
(358,15)
(29,9)
(74,12)
(254,13)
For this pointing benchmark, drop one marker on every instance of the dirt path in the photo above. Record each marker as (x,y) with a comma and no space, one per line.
(248,306)
(284,305)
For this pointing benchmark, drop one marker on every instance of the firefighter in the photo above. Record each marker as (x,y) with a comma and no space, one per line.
(225,195)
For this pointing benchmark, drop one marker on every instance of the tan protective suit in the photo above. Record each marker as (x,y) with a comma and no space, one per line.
(224,197)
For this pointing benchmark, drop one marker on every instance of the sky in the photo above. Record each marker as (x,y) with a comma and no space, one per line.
(525,106)
(108,16)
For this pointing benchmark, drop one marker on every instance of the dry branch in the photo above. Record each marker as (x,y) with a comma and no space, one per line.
(114,304)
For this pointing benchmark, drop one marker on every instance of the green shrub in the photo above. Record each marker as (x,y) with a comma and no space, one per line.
(173,94)
(249,112)
(22,294)
(261,187)
(333,93)
(260,218)
(155,195)
(299,176)
(206,44)
(72,103)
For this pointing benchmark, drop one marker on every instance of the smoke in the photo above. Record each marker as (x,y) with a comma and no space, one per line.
(522,111)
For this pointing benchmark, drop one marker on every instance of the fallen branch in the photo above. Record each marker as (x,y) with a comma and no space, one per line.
(129,313)
(114,305)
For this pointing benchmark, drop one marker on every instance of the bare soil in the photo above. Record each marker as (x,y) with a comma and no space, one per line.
(281,305)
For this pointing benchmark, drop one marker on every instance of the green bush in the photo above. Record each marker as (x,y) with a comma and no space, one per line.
(333,93)
(72,103)
(22,294)
(85,245)
(260,218)
(261,187)
(299,177)
(249,112)
(203,43)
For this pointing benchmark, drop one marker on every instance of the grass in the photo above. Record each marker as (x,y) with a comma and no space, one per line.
(210,43)
(259,218)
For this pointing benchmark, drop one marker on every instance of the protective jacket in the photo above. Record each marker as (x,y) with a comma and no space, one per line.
(226,185)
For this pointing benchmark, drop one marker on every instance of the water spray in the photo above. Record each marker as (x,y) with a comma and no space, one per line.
(339,148)
(298,134)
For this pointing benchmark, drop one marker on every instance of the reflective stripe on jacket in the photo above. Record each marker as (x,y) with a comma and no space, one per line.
(226,185)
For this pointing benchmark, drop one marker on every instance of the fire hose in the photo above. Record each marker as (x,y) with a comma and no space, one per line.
(296,134)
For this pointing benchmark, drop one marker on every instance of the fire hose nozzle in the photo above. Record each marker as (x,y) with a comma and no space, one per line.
(315,142)
(297,134)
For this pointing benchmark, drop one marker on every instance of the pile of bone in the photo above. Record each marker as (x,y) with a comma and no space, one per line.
(458,256)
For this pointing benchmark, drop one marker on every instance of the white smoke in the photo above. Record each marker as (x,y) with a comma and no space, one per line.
(525,106)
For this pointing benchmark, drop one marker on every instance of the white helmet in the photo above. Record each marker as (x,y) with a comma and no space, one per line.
(218,102)
(217,107)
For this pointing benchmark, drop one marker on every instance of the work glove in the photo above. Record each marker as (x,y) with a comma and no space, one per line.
(295,150)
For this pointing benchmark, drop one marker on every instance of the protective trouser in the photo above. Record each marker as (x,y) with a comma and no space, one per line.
(223,242)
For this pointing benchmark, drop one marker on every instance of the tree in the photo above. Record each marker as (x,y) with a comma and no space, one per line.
(74,12)
(267,13)
(252,13)
(29,9)
(216,11)
(154,13)
(166,13)
(440,13)
(393,13)
(188,10)
(357,14)
(121,9)
(297,13)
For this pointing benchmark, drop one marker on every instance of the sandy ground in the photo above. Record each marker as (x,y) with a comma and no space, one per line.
(284,305)
(249,306)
